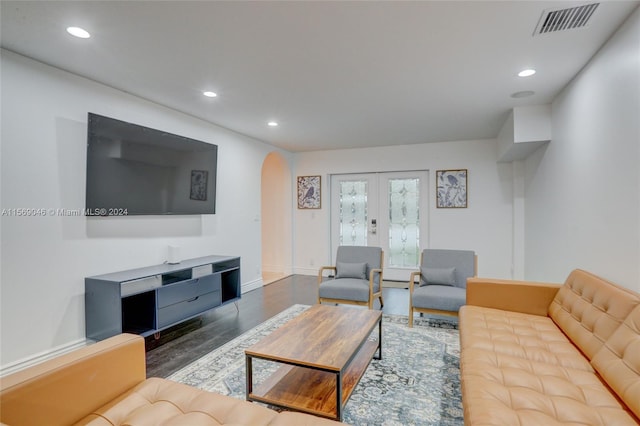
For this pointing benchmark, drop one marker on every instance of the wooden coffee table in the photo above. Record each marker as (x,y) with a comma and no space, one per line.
(324,352)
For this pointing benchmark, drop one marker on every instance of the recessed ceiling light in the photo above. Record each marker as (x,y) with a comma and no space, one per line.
(210,94)
(272,124)
(523,94)
(78,32)
(526,73)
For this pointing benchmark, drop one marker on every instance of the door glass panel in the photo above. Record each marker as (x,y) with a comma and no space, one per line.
(404,223)
(353,213)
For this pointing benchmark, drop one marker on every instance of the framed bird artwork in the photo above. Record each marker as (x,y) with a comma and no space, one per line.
(451,188)
(309,192)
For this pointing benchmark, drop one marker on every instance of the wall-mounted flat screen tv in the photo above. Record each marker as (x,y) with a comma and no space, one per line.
(136,170)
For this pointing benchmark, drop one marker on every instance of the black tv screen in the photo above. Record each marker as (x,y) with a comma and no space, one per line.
(135,170)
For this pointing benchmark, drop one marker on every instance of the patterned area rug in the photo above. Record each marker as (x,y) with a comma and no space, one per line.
(417,382)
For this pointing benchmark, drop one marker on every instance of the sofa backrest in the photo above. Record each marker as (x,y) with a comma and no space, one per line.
(65,389)
(618,361)
(589,309)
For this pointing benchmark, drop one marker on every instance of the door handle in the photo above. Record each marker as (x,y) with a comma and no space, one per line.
(374,226)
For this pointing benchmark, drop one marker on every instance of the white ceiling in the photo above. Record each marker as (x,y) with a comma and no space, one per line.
(333,74)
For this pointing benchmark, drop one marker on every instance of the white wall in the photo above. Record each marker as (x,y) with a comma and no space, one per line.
(485,226)
(45,259)
(583,189)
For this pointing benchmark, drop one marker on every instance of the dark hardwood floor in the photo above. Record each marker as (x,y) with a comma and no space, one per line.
(180,345)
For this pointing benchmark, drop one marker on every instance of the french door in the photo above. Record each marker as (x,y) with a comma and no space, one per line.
(387,210)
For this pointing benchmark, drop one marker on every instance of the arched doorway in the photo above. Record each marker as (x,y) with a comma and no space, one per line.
(276,218)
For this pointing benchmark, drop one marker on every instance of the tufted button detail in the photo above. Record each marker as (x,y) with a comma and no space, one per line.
(529,373)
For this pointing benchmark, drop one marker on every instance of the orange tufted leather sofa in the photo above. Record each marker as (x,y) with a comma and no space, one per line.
(549,354)
(105,384)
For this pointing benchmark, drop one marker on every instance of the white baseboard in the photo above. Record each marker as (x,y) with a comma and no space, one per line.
(251,285)
(23,363)
(306,271)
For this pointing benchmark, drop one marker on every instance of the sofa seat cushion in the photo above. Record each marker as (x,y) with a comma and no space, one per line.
(529,337)
(440,297)
(510,392)
(521,369)
(345,289)
(163,402)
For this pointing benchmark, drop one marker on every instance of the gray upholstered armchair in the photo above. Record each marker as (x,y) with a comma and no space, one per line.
(357,277)
(443,281)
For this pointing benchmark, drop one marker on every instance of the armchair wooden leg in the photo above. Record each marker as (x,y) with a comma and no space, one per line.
(410,316)
(381,301)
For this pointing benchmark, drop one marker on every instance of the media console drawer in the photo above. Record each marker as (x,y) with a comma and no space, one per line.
(185,290)
(178,311)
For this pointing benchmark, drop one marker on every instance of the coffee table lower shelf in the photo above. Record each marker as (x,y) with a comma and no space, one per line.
(312,390)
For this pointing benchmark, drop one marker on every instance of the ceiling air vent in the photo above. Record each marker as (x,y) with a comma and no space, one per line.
(553,20)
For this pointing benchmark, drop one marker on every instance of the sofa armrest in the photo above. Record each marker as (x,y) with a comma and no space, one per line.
(412,283)
(528,297)
(65,389)
(326,268)
(372,275)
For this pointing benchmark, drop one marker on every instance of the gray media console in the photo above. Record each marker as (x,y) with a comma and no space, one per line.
(146,300)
